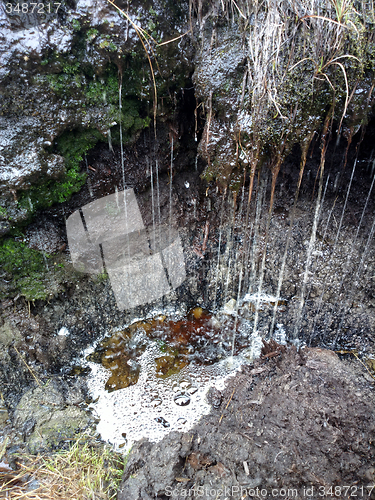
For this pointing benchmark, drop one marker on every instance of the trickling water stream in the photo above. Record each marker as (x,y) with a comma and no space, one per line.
(197,239)
(300,296)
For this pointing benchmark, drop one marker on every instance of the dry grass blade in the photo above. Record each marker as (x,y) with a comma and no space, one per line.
(300,62)
(324,19)
(356,355)
(239,10)
(174,39)
(347,91)
(226,407)
(27,366)
(143,37)
(83,472)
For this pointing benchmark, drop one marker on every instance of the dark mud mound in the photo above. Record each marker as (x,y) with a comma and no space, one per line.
(296,425)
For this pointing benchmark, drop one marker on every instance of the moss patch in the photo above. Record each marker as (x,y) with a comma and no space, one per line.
(25,268)
(72,145)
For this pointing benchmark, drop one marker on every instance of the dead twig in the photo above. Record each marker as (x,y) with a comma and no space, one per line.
(230,399)
(27,366)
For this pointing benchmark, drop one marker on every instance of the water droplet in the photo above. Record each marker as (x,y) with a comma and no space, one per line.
(192,390)
(182,399)
(162,421)
(156,402)
(181,421)
(184,384)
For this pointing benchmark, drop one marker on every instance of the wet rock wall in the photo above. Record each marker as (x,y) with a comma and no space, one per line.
(55,108)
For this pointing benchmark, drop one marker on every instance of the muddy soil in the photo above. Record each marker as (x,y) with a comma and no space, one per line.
(292,425)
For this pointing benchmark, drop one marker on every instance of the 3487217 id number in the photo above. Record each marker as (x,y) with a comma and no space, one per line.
(346,491)
(32,8)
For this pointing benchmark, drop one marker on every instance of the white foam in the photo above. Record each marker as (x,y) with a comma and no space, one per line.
(63,331)
(134,410)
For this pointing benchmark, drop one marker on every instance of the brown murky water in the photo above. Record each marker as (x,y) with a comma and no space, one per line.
(179,341)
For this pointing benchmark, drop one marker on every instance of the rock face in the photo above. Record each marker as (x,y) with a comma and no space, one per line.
(260,71)
(45,418)
(305,420)
(260,89)
(63,74)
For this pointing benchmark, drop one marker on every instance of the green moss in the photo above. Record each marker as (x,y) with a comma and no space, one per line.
(72,145)
(101,277)
(71,67)
(58,83)
(131,120)
(108,44)
(3,213)
(91,34)
(26,269)
(103,90)
(32,287)
(75,81)
(14,255)
(76,25)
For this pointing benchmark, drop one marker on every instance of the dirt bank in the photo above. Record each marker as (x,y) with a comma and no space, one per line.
(298,421)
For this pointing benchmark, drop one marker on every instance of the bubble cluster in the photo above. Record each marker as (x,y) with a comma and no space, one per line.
(153,376)
(154,406)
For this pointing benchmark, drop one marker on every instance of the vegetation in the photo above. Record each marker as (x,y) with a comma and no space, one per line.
(25,268)
(300,59)
(72,145)
(101,92)
(101,277)
(83,85)
(85,471)
(3,213)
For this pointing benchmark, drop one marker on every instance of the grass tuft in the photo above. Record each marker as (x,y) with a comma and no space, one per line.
(84,471)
